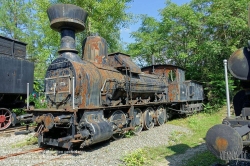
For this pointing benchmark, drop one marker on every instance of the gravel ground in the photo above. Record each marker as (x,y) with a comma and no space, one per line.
(105,153)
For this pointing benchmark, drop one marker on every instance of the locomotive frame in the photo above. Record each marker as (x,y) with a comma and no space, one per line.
(99,96)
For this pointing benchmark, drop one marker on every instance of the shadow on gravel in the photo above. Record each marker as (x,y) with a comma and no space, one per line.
(179,148)
(184,155)
(96,146)
(78,151)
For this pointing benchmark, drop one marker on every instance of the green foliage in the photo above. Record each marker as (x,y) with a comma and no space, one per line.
(105,17)
(175,137)
(207,108)
(18,111)
(146,39)
(29,141)
(180,142)
(197,36)
(38,85)
(136,158)
(129,134)
(28,21)
(38,101)
(34,124)
(37,98)
(215,88)
(14,19)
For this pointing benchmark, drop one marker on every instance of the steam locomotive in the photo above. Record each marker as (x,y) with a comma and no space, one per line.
(99,96)
(228,140)
(15,73)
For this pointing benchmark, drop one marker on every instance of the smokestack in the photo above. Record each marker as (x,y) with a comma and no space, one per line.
(67,19)
(153,60)
(153,63)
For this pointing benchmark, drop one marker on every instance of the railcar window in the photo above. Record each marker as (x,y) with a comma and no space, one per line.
(191,91)
(171,76)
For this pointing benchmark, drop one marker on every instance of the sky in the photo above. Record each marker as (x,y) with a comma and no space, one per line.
(149,7)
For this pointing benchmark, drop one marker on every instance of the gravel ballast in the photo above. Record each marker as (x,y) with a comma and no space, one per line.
(105,153)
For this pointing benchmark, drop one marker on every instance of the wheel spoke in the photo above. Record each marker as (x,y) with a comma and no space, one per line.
(5,118)
(161,115)
(118,118)
(148,118)
(138,121)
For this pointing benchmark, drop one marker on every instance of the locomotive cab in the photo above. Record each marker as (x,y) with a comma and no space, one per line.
(184,95)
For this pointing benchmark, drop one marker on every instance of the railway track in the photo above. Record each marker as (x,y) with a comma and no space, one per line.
(35,150)
(14,130)
(51,160)
(21,153)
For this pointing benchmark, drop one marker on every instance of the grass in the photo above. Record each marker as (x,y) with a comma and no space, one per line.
(137,158)
(203,159)
(29,141)
(129,134)
(180,142)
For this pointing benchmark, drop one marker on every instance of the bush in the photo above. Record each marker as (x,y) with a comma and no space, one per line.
(136,158)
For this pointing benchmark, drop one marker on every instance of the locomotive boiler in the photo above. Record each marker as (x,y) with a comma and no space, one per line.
(15,73)
(98,96)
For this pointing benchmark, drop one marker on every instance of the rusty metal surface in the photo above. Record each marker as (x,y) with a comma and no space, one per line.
(58,83)
(222,139)
(95,49)
(67,15)
(238,64)
(5,118)
(193,91)
(171,72)
(173,92)
(121,60)
(12,47)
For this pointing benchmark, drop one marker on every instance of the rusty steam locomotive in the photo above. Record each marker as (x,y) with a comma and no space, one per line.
(15,73)
(99,96)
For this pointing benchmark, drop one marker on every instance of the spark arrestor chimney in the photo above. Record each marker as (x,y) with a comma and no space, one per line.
(68,20)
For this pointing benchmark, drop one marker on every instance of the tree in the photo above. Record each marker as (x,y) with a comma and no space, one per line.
(105,17)
(14,20)
(198,36)
(181,31)
(45,40)
(28,21)
(146,41)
